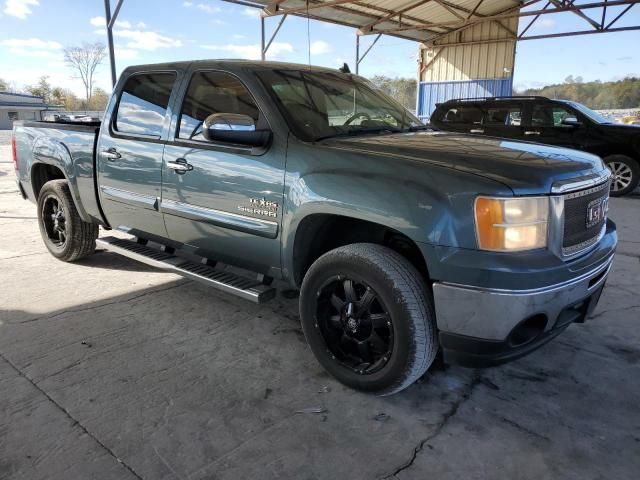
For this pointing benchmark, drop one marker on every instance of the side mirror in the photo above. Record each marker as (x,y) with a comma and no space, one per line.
(234,128)
(571,122)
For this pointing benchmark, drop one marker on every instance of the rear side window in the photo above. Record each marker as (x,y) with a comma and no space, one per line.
(507,115)
(143,104)
(549,115)
(465,115)
(209,93)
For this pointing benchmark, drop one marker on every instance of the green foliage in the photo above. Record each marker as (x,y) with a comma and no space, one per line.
(99,99)
(66,98)
(402,90)
(41,89)
(3,85)
(599,95)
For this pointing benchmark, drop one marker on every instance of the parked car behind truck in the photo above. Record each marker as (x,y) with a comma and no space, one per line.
(553,122)
(404,242)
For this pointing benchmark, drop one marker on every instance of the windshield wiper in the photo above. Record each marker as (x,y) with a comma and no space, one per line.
(419,128)
(380,129)
(361,131)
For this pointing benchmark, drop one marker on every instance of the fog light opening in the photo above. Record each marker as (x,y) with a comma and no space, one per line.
(527,330)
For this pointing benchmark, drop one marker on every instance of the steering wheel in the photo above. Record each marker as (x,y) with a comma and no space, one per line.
(357,115)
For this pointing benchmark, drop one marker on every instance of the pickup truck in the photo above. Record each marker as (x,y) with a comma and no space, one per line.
(404,243)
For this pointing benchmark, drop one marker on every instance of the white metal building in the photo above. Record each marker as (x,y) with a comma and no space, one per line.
(18,106)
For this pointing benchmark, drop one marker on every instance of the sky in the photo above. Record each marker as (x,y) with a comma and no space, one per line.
(33,34)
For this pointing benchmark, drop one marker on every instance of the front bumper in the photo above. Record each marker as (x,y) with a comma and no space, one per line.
(485,326)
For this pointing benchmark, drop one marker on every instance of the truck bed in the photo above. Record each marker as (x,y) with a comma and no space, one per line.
(67,146)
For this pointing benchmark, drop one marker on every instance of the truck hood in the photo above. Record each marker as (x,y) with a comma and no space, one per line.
(527,168)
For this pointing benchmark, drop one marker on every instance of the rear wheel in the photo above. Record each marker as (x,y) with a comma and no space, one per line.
(65,235)
(368,318)
(625,174)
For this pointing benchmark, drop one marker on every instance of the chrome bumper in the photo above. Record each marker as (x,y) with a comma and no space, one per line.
(492,314)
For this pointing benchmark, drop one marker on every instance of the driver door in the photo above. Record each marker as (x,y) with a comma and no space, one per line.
(223,201)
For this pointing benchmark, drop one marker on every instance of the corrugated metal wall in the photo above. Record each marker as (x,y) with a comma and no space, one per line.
(468,69)
(430,93)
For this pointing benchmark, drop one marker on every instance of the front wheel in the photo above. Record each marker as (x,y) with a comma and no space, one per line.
(625,174)
(368,318)
(65,234)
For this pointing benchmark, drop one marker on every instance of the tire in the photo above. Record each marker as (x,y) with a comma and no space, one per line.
(626,174)
(69,238)
(401,295)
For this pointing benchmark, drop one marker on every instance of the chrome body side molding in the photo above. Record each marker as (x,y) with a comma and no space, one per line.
(125,196)
(234,221)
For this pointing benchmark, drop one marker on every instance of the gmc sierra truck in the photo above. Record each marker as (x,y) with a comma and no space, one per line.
(404,242)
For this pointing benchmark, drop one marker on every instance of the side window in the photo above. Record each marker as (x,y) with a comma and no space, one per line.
(143,104)
(507,115)
(213,92)
(466,115)
(549,116)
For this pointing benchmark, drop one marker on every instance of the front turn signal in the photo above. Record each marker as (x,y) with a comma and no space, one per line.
(511,224)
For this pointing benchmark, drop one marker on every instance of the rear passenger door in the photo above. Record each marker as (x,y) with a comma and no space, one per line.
(503,119)
(465,118)
(225,201)
(130,151)
(545,126)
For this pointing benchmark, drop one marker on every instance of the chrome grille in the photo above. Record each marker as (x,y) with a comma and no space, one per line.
(578,234)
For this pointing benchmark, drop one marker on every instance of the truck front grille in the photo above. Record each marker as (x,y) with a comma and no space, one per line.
(579,233)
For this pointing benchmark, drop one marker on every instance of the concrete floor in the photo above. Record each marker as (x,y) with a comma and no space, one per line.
(112,370)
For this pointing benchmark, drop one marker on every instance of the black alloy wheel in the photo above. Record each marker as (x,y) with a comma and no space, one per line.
(54,221)
(355,325)
(65,234)
(368,317)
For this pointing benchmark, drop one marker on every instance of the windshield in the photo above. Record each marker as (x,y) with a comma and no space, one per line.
(595,116)
(320,105)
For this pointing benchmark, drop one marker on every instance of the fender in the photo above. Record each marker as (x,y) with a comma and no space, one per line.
(49,151)
(416,205)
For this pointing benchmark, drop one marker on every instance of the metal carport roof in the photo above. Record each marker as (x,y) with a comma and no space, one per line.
(429,20)
(434,23)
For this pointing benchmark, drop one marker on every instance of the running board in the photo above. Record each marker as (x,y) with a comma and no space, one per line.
(228,282)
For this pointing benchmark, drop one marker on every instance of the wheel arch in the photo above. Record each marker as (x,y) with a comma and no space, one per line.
(53,161)
(318,233)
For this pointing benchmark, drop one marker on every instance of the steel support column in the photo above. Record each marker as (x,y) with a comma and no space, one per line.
(358,57)
(112,58)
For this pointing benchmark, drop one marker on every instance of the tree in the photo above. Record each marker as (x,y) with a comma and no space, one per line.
(4,86)
(66,98)
(401,89)
(99,99)
(85,59)
(41,89)
(619,94)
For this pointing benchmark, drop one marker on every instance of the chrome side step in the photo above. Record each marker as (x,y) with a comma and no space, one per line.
(228,282)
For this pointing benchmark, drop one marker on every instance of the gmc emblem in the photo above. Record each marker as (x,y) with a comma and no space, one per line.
(596,211)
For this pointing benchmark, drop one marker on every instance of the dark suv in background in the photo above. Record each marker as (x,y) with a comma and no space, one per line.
(561,123)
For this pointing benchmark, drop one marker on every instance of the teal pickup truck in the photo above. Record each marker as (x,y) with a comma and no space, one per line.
(404,242)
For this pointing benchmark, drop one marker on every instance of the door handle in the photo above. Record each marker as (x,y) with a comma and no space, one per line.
(180,166)
(111,154)
(476,130)
(532,132)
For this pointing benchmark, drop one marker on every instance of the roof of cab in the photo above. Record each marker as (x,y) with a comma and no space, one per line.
(231,64)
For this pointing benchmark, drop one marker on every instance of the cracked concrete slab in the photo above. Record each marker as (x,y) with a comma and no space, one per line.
(111,369)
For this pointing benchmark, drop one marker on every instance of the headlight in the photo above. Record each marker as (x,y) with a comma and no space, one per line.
(511,224)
